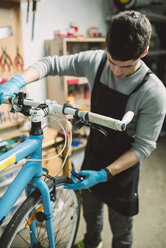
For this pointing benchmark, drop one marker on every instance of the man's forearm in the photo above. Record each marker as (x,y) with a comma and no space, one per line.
(30,75)
(124,162)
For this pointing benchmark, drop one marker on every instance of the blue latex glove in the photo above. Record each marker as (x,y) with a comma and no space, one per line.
(12,86)
(89,179)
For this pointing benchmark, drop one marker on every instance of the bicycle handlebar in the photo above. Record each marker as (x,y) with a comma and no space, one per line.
(87,117)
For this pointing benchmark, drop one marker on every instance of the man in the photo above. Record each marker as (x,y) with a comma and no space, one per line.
(120,81)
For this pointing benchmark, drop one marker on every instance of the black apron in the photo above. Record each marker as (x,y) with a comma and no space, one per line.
(121,192)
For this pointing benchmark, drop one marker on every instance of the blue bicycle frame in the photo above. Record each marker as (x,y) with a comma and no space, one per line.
(31,172)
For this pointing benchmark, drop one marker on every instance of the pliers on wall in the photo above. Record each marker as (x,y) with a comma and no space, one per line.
(18,61)
(5,60)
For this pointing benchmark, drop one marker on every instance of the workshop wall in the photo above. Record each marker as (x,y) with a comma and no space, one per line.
(10,63)
(11,17)
(53,15)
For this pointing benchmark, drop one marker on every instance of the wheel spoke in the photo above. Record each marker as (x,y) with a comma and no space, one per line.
(65,216)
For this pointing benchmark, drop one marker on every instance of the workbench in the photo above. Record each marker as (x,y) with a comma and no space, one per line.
(49,139)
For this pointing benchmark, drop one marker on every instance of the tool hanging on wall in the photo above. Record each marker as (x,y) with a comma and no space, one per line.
(18,61)
(27,17)
(5,61)
(34,6)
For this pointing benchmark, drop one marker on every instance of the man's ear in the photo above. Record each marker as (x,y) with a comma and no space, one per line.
(145,52)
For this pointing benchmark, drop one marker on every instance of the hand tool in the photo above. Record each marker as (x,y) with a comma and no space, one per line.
(27,17)
(34,13)
(5,60)
(18,61)
(76,175)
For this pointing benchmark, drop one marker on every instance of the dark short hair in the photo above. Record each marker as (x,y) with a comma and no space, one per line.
(128,35)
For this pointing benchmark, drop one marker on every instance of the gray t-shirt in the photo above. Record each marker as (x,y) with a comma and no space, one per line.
(148,103)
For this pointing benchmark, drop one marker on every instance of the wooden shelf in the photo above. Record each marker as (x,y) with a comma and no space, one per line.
(81,103)
(57,87)
(14,134)
(82,39)
(81,146)
(10,124)
(81,80)
(48,136)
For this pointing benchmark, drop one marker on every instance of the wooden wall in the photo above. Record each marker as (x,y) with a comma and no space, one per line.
(10,15)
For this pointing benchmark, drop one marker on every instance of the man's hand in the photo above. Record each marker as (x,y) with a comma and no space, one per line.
(89,179)
(12,86)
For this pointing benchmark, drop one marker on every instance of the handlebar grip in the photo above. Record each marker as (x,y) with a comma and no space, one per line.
(102,120)
(111,122)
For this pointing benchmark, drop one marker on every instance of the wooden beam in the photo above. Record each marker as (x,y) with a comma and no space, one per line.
(9,5)
(13,1)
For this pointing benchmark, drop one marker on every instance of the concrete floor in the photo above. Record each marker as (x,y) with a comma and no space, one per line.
(150,223)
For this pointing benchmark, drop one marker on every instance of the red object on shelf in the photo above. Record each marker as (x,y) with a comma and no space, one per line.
(75,27)
(70,34)
(73,81)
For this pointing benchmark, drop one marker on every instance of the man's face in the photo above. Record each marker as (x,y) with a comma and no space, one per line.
(122,69)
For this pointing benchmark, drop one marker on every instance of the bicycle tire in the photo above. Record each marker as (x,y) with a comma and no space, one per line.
(15,236)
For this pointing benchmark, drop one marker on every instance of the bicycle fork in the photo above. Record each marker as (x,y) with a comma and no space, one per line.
(38,182)
(42,186)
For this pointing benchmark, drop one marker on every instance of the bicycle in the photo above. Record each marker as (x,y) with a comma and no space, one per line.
(35,222)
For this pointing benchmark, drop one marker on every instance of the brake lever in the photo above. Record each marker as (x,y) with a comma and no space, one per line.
(25,110)
(15,109)
(100,129)
(78,123)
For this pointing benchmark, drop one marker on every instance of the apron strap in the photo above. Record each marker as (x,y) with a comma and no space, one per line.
(143,81)
(101,66)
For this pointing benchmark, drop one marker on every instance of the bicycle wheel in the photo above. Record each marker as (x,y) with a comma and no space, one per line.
(65,213)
